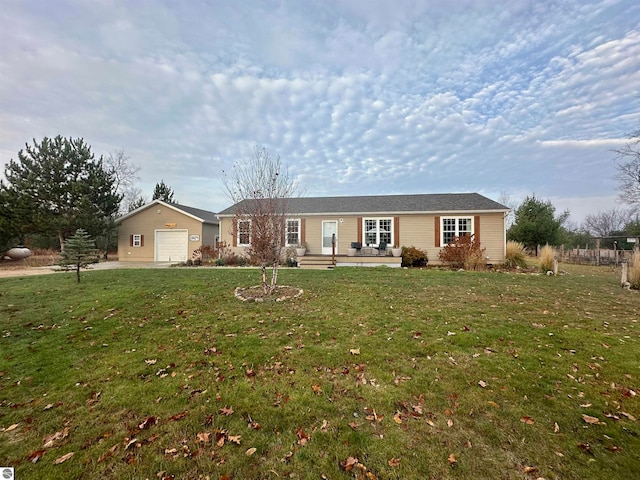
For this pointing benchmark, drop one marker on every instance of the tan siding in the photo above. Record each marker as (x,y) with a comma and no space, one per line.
(146,223)
(414,230)
(492,227)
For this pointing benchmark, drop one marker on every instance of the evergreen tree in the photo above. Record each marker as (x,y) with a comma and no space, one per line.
(163,192)
(58,186)
(535,223)
(79,252)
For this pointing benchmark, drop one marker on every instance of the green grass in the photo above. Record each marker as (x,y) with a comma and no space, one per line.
(497,369)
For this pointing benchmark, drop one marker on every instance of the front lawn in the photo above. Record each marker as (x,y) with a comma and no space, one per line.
(371,373)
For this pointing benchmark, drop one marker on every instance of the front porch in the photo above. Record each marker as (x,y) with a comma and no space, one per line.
(310,261)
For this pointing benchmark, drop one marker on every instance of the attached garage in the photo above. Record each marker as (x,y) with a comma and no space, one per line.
(172,245)
(165,232)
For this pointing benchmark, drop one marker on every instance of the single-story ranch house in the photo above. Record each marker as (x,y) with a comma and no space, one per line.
(427,221)
(165,232)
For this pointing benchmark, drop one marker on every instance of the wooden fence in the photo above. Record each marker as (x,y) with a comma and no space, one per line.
(594,256)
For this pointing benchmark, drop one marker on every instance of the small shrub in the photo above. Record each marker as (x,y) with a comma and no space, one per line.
(205,253)
(633,273)
(515,256)
(547,254)
(414,257)
(464,252)
(219,262)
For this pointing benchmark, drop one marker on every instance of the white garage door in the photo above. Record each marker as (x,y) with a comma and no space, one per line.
(172,245)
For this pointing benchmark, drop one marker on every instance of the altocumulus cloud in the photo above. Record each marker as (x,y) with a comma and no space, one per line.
(358,97)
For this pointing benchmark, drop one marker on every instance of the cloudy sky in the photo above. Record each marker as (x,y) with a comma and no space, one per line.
(513,97)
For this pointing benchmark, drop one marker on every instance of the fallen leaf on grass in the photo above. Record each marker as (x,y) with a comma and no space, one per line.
(130,442)
(37,455)
(303,438)
(349,463)
(556,428)
(613,448)
(629,416)
(397,417)
(11,427)
(148,422)
(592,420)
(203,437)
(529,469)
(450,423)
(452,460)
(316,389)
(177,416)
(354,351)
(394,462)
(50,440)
(251,451)
(234,438)
(586,447)
(528,420)
(482,383)
(63,458)
(226,411)
(108,454)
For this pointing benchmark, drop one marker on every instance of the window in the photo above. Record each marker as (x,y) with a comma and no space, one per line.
(244,232)
(293,232)
(136,240)
(378,230)
(456,227)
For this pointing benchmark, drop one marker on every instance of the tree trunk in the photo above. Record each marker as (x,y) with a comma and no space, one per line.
(78,271)
(274,278)
(265,284)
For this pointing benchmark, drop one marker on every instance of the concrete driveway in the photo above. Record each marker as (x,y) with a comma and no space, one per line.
(27,271)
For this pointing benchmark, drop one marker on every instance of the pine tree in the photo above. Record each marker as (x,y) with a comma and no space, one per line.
(163,192)
(79,252)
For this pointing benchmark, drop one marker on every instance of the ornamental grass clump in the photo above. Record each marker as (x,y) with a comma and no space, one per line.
(547,255)
(515,256)
(633,274)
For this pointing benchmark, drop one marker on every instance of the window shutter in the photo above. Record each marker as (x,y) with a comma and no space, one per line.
(142,240)
(359,230)
(437,230)
(303,230)
(131,240)
(476,228)
(396,231)
(234,232)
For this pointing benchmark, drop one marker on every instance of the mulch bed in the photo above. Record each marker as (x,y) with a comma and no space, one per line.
(256,294)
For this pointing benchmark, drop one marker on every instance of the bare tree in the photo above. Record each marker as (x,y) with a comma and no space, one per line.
(261,187)
(628,174)
(126,177)
(602,224)
(506,200)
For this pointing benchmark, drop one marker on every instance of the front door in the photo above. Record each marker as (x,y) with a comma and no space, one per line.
(329,229)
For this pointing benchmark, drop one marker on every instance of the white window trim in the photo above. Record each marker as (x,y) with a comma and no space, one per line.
(137,240)
(286,233)
(238,242)
(457,231)
(377,219)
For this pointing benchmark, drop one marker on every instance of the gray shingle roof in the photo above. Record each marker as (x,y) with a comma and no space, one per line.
(387,204)
(208,217)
